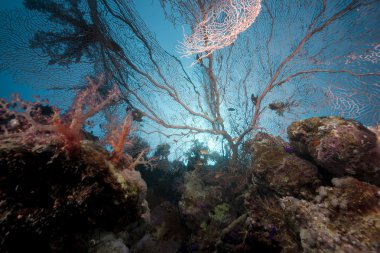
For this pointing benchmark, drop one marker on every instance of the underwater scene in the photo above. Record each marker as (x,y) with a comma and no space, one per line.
(190,126)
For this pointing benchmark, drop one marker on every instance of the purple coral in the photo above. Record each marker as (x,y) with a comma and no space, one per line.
(272,232)
(289,149)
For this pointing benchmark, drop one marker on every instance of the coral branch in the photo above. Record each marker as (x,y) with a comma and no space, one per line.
(88,102)
(118,137)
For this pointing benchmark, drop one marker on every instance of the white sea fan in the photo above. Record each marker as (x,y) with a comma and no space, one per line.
(220,26)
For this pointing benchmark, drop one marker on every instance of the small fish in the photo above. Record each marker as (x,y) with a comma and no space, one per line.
(203,152)
(218,175)
(231,109)
(254,99)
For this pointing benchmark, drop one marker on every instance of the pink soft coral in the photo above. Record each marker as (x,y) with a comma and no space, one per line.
(118,137)
(86,104)
(32,122)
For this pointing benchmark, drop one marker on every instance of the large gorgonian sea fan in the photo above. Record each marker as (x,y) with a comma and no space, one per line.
(371,55)
(356,104)
(220,26)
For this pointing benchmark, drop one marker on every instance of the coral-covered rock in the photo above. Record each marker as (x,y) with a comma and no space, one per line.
(376,130)
(108,243)
(198,199)
(166,231)
(210,206)
(266,226)
(52,199)
(343,218)
(275,166)
(341,147)
(276,172)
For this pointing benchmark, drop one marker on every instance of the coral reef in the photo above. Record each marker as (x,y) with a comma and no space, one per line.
(276,173)
(339,146)
(211,209)
(343,218)
(54,201)
(267,227)
(166,233)
(293,208)
(291,202)
(281,171)
(57,187)
(65,193)
(198,199)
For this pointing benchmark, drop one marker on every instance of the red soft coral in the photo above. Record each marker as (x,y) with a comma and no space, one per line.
(118,137)
(31,122)
(86,104)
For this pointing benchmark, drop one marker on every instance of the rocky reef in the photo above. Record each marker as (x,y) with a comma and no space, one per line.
(303,206)
(279,169)
(55,202)
(342,218)
(211,201)
(342,147)
(317,193)
(61,191)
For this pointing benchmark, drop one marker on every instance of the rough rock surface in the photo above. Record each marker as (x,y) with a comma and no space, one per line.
(282,171)
(341,147)
(108,243)
(198,199)
(343,218)
(52,200)
(290,210)
(166,232)
(211,207)
(276,172)
(290,204)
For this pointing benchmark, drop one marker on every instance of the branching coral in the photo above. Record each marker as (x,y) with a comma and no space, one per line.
(29,122)
(22,121)
(118,137)
(86,104)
